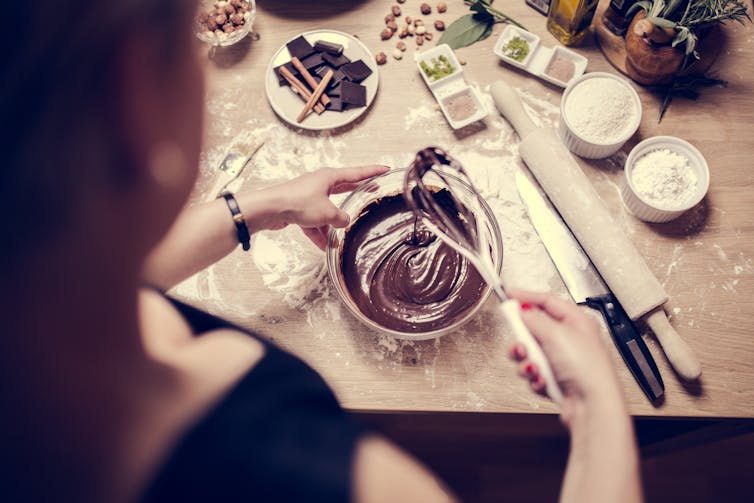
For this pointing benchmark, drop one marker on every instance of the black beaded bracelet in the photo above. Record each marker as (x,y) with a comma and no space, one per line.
(235,211)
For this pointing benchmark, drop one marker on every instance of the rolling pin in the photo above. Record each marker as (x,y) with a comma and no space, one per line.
(612,252)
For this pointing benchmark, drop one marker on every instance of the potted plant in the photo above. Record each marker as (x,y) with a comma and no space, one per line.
(663,36)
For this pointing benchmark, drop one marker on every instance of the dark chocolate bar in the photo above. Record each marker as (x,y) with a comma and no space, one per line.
(353,94)
(291,68)
(313,61)
(335,61)
(356,71)
(300,48)
(328,47)
(336,104)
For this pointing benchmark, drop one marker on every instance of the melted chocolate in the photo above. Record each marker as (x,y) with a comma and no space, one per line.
(402,276)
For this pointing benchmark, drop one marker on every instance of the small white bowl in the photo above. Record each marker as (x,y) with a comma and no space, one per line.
(508,34)
(649,210)
(589,149)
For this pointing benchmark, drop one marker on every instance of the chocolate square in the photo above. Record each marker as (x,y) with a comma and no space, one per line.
(334,90)
(336,104)
(356,71)
(291,68)
(335,61)
(300,48)
(313,61)
(328,47)
(353,94)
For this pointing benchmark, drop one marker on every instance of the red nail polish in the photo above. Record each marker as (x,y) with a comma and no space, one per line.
(525,306)
(530,369)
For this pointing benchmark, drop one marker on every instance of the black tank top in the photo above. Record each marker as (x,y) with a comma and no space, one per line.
(278,435)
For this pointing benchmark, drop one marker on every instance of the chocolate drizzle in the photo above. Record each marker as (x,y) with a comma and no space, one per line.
(402,276)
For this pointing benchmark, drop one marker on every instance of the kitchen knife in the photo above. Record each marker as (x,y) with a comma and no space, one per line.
(586,286)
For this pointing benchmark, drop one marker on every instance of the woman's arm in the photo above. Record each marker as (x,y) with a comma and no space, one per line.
(603,464)
(205,233)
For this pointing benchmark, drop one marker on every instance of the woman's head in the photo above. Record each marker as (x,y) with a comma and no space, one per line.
(101,110)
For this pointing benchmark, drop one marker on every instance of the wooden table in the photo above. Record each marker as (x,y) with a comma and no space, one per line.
(704,259)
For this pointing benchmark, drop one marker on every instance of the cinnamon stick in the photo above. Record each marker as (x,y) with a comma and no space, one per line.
(316,94)
(303,91)
(308,78)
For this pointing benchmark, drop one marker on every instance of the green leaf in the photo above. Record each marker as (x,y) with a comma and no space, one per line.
(464,31)
(662,23)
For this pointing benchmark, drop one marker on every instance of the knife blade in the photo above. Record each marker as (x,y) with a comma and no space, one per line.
(586,286)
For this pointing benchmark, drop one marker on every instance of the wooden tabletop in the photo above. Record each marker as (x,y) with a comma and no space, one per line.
(281,288)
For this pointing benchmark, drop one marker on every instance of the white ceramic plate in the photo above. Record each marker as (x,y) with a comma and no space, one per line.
(288,105)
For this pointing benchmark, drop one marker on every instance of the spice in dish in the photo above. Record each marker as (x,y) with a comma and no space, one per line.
(437,68)
(601,110)
(561,68)
(460,106)
(665,178)
(517,48)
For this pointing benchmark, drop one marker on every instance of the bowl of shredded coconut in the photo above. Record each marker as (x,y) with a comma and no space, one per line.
(599,112)
(664,177)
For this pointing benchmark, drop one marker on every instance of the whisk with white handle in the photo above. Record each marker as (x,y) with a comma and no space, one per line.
(456,225)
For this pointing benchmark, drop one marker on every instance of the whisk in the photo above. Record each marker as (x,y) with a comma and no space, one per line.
(456,225)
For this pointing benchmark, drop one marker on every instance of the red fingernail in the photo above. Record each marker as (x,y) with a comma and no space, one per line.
(525,306)
(530,369)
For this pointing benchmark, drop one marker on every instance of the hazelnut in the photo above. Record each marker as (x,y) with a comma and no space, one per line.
(237,19)
(401,1)
(230,10)
(380,58)
(229,28)
(421,30)
(420,40)
(408,19)
(403,33)
(221,4)
(410,29)
(442,7)
(401,46)
(212,24)
(398,54)
(428,36)
(386,34)
(396,10)
(221,19)
(392,26)
(439,25)
(389,18)
(425,8)
(419,22)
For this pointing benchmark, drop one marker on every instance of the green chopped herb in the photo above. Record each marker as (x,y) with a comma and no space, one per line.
(440,67)
(517,48)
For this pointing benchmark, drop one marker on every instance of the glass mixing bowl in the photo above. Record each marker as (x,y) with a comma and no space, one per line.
(389,184)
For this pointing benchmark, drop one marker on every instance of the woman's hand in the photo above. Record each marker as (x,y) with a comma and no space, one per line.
(573,344)
(305,200)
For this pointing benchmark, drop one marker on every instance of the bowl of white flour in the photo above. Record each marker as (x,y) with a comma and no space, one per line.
(599,112)
(664,177)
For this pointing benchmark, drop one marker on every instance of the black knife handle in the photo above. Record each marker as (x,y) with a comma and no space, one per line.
(629,343)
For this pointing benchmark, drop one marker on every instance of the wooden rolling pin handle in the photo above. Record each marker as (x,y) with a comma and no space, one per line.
(509,105)
(679,353)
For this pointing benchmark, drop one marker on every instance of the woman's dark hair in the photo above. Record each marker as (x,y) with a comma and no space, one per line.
(57,85)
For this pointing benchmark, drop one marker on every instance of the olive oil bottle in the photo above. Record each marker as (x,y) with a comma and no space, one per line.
(569,19)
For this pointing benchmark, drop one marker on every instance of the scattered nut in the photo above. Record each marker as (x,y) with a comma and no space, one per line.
(420,40)
(439,25)
(389,18)
(396,10)
(386,34)
(398,54)
(392,26)
(401,1)
(419,22)
(442,7)
(403,33)
(428,36)
(409,19)
(381,58)
(462,61)
(421,30)
(426,9)
(411,29)
(401,46)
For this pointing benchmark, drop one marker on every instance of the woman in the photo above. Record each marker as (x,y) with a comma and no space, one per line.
(113,392)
